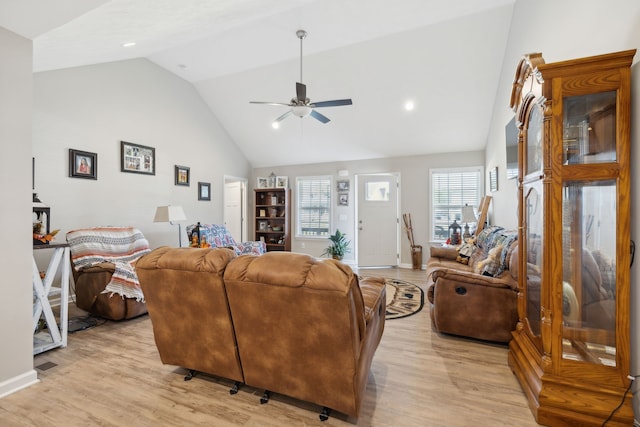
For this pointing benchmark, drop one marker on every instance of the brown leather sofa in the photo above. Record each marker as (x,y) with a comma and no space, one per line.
(472,303)
(283,322)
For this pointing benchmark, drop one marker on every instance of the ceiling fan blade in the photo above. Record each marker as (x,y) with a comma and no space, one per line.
(320,117)
(270,103)
(334,103)
(282,117)
(301,92)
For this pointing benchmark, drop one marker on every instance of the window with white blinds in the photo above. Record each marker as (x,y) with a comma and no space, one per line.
(313,206)
(451,189)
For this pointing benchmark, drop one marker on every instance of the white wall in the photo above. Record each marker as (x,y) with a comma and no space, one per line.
(92,109)
(564,30)
(16,336)
(414,195)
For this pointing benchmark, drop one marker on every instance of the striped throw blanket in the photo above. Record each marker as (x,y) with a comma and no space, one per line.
(121,246)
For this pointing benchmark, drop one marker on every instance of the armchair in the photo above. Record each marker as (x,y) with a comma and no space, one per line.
(219,237)
(102,261)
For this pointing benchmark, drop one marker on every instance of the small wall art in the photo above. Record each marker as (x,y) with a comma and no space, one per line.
(83,164)
(343,199)
(204,191)
(182,175)
(137,158)
(343,185)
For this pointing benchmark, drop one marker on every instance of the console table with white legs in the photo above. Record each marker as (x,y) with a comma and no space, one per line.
(43,290)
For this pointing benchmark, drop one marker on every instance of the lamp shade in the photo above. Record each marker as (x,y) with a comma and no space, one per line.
(169,214)
(468,215)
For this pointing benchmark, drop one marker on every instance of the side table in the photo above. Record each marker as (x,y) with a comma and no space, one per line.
(43,290)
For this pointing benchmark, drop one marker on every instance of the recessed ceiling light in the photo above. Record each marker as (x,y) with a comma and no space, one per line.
(128,44)
(409,105)
(275,125)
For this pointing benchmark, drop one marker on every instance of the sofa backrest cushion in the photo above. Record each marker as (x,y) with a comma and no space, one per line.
(300,323)
(189,310)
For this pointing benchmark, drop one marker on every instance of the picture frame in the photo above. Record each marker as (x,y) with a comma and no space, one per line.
(343,185)
(83,164)
(493,179)
(282,182)
(204,191)
(135,158)
(262,225)
(182,175)
(262,182)
(343,199)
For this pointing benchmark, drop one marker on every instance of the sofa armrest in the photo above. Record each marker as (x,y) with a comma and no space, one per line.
(445,252)
(374,296)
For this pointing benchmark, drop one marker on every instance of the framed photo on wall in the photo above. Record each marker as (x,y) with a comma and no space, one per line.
(137,158)
(83,164)
(343,199)
(204,191)
(182,175)
(343,185)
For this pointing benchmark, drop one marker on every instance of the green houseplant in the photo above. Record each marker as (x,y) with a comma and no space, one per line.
(338,247)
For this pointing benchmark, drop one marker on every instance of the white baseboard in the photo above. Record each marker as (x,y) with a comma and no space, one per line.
(18,383)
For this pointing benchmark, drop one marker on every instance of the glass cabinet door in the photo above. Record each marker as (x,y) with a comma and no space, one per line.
(533,213)
(589,244)
(589,134)
(534,140)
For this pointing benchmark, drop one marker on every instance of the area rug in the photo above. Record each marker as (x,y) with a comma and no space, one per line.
(403,299)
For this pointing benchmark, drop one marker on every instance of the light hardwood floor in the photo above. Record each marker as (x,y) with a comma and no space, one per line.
(111,375)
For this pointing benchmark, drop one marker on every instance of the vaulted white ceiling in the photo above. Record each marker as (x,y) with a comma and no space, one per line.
(444,55)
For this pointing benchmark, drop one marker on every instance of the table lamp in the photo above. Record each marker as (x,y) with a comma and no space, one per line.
(170,214)
(468,215)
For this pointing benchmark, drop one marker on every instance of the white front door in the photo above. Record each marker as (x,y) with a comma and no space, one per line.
(234,208)
(378,220)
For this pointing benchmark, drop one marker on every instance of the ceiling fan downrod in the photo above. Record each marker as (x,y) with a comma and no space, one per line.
(301,35)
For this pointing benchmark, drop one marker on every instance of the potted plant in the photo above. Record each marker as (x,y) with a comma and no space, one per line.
(338,247)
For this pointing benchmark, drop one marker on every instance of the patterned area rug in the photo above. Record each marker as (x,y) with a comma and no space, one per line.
(403,299)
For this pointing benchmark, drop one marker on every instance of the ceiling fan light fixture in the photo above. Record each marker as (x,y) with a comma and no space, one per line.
(301,110)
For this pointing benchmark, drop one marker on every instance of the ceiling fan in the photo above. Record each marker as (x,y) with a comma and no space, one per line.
(301,106)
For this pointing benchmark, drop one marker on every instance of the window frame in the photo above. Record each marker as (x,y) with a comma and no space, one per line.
(479,170)
(299,208)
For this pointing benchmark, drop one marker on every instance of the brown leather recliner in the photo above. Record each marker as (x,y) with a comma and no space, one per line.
(283,322)
(306,327)
(189,311)
(89,286)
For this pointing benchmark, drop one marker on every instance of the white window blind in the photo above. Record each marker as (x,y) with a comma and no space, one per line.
(313,206)
(451,189)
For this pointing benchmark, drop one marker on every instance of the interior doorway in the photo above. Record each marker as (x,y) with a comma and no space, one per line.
(235,207)
(377,213)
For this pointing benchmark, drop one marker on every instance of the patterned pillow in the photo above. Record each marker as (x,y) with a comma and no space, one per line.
(488,240)
(491,265)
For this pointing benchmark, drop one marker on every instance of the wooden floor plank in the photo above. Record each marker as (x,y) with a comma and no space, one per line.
(111,375)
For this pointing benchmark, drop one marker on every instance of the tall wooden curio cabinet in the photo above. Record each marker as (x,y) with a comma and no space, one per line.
(571,348)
